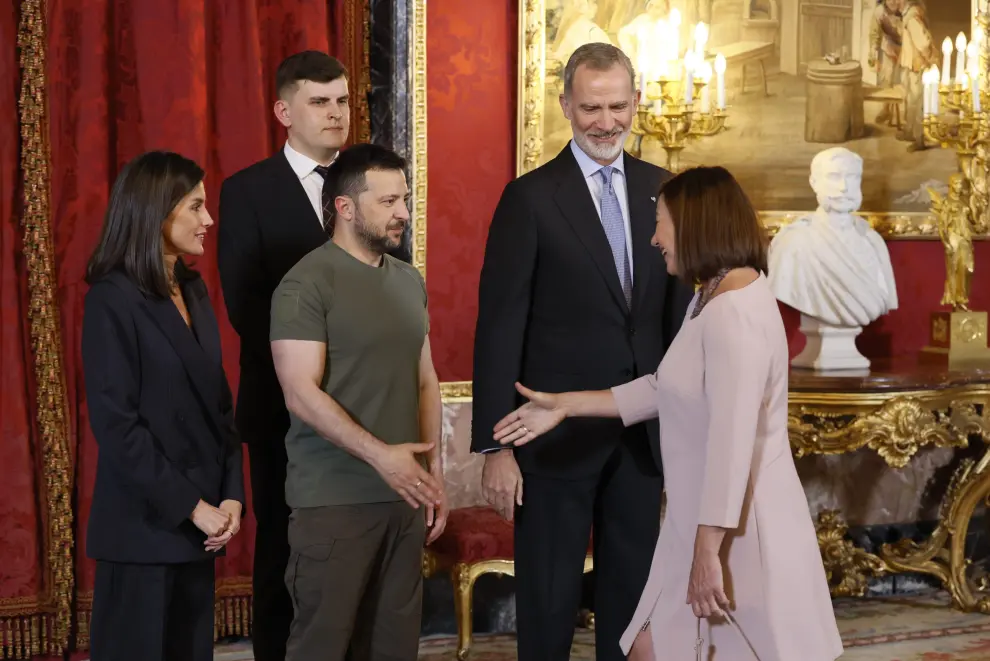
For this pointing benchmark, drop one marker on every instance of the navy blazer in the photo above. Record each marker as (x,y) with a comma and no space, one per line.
(160,408)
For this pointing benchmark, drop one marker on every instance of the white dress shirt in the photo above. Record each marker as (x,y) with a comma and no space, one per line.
(589,169)
(311,180)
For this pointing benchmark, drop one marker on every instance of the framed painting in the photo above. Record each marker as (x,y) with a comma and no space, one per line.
(800,76)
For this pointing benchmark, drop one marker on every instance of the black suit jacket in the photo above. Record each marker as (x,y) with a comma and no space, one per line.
(551,313)
(161,411)
(267,224)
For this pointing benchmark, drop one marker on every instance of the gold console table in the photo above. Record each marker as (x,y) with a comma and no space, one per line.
(899,407)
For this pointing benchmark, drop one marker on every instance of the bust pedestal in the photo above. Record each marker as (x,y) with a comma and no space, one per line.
(829,347)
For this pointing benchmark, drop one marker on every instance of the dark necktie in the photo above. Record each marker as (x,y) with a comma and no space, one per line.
(327,203)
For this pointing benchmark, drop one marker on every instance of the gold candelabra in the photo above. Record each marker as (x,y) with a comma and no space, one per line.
(663,115)
(954,119)
(681,97)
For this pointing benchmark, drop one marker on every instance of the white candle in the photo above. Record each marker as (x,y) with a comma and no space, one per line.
(700,39)
(706,99)
(960,58)
(691,69)
(976,94)
(935,93)
(720,79)
(658,108)
(947,61)
(926,82)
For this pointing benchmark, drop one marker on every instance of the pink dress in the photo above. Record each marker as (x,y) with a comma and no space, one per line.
(721,396)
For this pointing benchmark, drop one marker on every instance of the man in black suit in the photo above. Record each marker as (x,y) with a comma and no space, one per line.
(573,297)
(271,215)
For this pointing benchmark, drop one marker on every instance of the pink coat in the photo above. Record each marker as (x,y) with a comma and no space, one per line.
(721,396)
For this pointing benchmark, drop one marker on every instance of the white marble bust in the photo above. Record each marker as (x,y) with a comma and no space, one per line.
(832,266)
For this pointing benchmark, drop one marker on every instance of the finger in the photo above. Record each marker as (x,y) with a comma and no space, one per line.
(704,608)
(507,420)
(524,391)
(723,600)
(517,433)
(429,515)
(507,429)
(519,485)
(422,496)
(428,482)
(406,496)
(713,606)
(420,448)
(696,608)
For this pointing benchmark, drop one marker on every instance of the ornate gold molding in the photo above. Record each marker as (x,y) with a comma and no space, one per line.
(895,428)
(51,403)
(417,56)
(891,226)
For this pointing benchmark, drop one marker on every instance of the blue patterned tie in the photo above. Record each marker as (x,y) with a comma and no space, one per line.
(615,230)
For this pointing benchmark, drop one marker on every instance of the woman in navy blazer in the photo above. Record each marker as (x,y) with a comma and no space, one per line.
(169,487)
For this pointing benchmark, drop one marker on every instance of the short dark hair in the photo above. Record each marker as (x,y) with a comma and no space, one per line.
(146,191)
(308,65)
(597,57)
(715,224)
(347,174)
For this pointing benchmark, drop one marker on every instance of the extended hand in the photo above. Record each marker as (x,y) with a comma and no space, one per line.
(233,509)
(705,592)
(539,415)
(398,466)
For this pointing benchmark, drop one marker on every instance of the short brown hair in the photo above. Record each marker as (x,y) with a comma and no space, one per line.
(715,224)
(312,65)
(597,57)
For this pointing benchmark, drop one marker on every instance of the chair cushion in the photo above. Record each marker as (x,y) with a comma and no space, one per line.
(474,534)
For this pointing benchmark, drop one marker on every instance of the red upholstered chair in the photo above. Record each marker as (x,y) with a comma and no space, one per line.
(476,541)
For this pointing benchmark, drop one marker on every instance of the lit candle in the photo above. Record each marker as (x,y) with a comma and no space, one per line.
(972,59)
(947,61)
(720,79)
(689,77)
(935,91)
(700,39)
(706,91)
(926,82)
(658,108)
(960,58)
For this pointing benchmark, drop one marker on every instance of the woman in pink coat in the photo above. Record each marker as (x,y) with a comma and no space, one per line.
(737,568)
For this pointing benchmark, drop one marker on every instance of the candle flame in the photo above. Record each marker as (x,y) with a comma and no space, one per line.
(720,63)
(961,42)
(947,46)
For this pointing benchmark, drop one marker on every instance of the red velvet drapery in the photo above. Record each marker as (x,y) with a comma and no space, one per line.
(115,78)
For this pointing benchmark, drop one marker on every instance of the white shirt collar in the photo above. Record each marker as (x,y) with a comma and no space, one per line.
(590,167)
(301,164)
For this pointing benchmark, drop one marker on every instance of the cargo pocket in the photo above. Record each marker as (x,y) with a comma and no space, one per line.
(305,574)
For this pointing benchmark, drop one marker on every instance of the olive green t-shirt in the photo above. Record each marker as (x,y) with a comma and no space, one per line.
(373,320)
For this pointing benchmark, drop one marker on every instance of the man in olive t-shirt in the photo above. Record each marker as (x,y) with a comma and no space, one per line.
(349,336)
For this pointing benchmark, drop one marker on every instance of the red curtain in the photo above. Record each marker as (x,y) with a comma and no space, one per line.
(116,78)
(25,586)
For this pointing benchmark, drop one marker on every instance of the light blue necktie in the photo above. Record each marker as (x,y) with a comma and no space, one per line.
(615,230)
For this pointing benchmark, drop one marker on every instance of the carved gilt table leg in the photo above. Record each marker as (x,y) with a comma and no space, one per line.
(943,555)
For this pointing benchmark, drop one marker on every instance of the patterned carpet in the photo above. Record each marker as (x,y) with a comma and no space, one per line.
(891,629)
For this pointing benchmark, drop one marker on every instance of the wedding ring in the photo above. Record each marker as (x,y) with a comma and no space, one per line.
(418,482)
(525,430)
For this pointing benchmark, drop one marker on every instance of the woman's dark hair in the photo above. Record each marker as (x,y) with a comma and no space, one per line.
(715,224)
(143,196)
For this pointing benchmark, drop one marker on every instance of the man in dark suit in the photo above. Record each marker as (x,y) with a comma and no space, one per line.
(271,215)
(573,297)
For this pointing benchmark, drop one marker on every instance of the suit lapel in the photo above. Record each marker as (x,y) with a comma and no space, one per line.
(642,220)
(574,200)
(298,210)
(202,363)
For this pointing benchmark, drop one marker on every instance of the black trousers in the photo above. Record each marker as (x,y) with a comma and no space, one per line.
(552,530)
(153,612)
(356,581)
(272,606)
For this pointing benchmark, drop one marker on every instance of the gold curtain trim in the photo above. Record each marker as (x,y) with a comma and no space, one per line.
(48,634)
(359,56)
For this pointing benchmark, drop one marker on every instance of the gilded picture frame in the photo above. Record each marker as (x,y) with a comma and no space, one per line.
(542,131)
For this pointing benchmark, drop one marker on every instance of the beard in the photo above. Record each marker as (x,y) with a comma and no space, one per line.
(603,151)
(841,203)
(375,240)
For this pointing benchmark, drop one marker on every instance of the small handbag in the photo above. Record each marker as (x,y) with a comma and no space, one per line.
(699,643)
